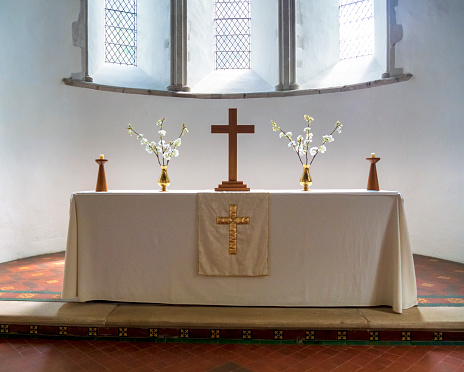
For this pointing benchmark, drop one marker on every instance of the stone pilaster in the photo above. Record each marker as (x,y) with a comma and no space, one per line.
(287,49)
(394,35)
(178,46)
(81,40)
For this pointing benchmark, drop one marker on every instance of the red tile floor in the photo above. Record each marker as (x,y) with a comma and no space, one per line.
(54,355)
(439,282)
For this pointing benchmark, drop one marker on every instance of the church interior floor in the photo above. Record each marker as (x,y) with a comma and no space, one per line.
(39,332)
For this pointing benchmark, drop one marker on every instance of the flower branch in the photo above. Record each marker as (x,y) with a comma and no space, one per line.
(163,150)
(302,144)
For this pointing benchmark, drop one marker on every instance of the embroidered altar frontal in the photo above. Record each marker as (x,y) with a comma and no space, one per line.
(233,234)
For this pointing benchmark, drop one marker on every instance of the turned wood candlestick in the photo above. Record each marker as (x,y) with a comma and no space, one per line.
(101,179)
(372,181)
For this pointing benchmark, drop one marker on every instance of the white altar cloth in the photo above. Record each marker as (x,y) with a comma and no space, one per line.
(326,248)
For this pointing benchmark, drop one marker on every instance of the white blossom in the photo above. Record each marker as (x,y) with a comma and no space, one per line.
(301,144)
(166,150)
(308,118)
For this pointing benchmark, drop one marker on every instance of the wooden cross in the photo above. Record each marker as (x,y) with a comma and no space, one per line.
(232,129)
(233,221)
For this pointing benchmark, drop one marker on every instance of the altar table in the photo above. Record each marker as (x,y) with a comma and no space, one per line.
(327,248)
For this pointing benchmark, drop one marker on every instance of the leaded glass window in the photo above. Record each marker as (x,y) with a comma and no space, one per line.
(356,28)
(233,34)
(121,32)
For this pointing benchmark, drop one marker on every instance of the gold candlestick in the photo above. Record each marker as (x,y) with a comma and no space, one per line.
(101,179)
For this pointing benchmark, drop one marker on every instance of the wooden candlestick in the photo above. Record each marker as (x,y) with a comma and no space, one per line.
(372,181)
(101,179)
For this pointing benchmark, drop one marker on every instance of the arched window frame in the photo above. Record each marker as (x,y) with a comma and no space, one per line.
(286,49)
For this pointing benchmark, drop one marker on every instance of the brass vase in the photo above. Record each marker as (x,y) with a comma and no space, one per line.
(164,180)
(305,179)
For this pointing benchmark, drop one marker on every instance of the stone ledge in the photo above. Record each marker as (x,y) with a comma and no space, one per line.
(109,314)
(290,93)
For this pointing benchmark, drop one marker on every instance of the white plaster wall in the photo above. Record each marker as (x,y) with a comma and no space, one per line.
(265,41)
(200,40)
(153,40)
(96,24)
(317,37)
(50,133)
(380,33)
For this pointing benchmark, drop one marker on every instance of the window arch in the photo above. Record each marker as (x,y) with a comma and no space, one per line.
(293,42)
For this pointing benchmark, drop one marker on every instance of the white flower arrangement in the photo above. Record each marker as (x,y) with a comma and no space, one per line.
(163,150)
(302,144)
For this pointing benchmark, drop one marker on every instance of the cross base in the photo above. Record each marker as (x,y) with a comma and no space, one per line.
(232,186)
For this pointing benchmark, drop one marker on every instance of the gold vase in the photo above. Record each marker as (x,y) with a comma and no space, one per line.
(164,180)
(305,179)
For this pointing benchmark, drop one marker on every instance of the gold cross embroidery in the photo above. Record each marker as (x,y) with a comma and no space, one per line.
(233,221)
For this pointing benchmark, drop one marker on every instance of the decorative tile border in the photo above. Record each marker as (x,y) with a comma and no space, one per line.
(93,331)
(153,332)
(33,329)
(63,330)
(373,335)
(246,335)
(310,335)
(122,332)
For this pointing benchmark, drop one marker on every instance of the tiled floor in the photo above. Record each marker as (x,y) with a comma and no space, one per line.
(439,282)
(29,329)
(59,356)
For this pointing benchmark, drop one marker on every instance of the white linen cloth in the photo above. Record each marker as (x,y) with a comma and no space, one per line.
(252,237)
(326,248)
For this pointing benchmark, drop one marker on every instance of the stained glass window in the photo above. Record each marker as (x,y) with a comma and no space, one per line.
(233,34)
(121,32)
(356,28)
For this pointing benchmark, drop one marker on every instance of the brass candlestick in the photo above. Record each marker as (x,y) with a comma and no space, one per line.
(372,181)
(101,179)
